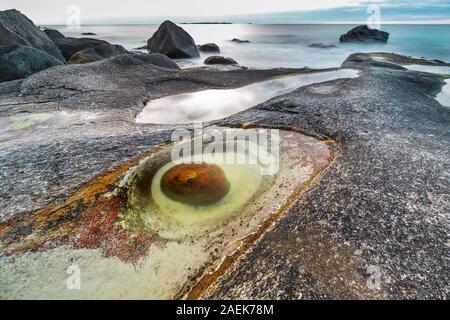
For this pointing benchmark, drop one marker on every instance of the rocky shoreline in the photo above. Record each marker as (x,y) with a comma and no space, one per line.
(382,202)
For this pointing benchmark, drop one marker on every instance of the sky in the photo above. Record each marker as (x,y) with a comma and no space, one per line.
(257,11)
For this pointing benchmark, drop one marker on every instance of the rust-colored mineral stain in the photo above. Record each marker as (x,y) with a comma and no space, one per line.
(49,226)
(196,184)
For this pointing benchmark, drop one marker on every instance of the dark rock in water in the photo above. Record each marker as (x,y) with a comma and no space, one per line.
(156,59)
(209,47)
(322,45)
(240,41)
(19,62)
(172,41)
(439,61)
(196,184)
(97,53)
(363,33)
(220,60)
(15,28)
(54,34)
(358,60)
(88,34)
(70,46)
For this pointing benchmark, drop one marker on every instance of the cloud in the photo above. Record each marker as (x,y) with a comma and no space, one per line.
(152,11)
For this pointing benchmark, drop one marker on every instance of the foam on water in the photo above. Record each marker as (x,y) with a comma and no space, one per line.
(216,104)
(430,69)
(285,45)
(444,96)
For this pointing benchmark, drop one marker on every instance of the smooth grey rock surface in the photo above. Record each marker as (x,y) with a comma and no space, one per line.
(100,52)
(156,59)
(69,46)
(18,62)
(16,28)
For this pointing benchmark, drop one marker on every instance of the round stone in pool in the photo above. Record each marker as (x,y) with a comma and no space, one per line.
(195,184)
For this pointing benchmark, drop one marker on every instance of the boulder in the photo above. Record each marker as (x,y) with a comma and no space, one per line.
(195,184)
(172,41)
(240,41)
(220,60)
(363,34)
(53,34)
(209,47)
(16,28)
(100,52)
(70,46)
(18,62)
(88,34)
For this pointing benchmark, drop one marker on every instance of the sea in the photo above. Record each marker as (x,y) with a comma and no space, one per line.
(287,45)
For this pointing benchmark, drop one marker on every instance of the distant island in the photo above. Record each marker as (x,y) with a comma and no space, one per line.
(206,23)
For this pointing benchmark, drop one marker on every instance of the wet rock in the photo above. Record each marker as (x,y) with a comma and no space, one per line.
(220,60)
(196,184)
(209,47)
(53,34)
(240,41)
(173,41)
(322,46)
(360,60)
(97,53)
(157,59)
(16,28)
(88,34)
(363,34)
(19,62)
(69,46)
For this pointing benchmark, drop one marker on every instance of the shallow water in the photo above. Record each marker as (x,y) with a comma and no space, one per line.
(22,123)
(444,96)
(430,69)
(215,104)
(286,45)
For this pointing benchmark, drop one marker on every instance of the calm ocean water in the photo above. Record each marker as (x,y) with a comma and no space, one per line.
(285,45)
